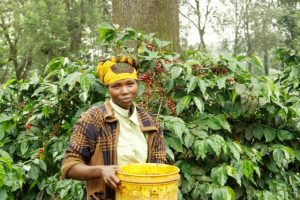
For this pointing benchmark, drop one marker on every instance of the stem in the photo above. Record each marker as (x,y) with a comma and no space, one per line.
(159,108)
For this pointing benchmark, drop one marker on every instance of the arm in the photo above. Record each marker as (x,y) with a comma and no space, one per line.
(81,148)
(84,172)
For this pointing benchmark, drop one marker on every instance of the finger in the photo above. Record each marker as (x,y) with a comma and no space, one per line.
(112,184)
(117,169)
(115,179)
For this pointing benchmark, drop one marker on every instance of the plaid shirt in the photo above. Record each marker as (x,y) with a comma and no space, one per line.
(94,142)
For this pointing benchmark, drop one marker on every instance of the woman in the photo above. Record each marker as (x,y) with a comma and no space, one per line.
(116,133)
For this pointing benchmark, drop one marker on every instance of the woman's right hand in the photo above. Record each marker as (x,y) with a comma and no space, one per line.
(108,173)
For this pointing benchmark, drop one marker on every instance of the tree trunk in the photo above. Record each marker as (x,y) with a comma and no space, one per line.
(266,62)
(247,32)
(3,78)
(236,28)
(151,16)
(75,24)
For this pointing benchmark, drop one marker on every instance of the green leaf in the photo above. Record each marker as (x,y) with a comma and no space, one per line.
(39,90)
(83,96)
(234,151)
(52,88)
(3,193)
(230,194)
(232,65)
(54,64)
(64,192)
(284,135)
(223,193)
(268,195)
(175,125)
(231,171)
(247,168)
(297,154)
(170,153)
(223,122)
(256,62)
(269,133)
(85,83)
(169,85)
(183,104)
(7,161)
(5,154)
(43,165)
(2,175)
(221,82)
(71,80)
(5,118)
(249,133)
(186,169)
(202,85)
(199,103)
(188,140)
(257,171)
(200,148)
(192,84)
(213,123)
(107,33)
(33,172)
(161,43)
(2,134)
(257,131)
(219,175)
(216,142)
(199,133)
(45,111)
(152,55)
(175,72)
(24,147)
(233,96)
(240,89)
(174,143)
(278,156)
(196,191)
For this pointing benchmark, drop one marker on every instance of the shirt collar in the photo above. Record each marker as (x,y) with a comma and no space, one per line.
(124,113)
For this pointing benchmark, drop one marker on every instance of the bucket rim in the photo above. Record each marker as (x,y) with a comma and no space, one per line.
(159,175)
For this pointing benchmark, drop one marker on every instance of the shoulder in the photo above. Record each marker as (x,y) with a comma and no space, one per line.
(146,115)
(93,114)
(141,111)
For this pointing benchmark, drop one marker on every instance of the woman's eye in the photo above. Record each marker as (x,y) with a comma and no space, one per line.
(115,87)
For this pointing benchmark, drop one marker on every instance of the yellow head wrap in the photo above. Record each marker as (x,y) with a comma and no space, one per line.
(117,68)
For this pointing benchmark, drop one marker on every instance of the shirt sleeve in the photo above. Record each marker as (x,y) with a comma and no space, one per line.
(158,147)
(81,145)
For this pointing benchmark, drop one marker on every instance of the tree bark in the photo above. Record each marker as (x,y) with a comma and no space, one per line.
(151,16)
(3,78)
(75,24)
(247,32)
(266,62)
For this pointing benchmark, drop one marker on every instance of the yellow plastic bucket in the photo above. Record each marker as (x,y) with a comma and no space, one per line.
(147,181)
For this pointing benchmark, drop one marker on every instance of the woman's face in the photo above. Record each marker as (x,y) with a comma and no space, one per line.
(123,92)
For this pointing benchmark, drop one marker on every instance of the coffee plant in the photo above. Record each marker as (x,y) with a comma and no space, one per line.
(232,134)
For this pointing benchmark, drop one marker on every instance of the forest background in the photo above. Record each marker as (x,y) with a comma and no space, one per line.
(242,88)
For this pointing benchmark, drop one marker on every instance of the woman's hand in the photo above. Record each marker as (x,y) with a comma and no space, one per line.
(108,173)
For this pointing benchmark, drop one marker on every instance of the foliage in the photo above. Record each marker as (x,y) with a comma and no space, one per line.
(233,135)
(37,116)
(32,32)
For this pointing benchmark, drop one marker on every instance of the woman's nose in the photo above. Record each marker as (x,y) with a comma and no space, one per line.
(124,90)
